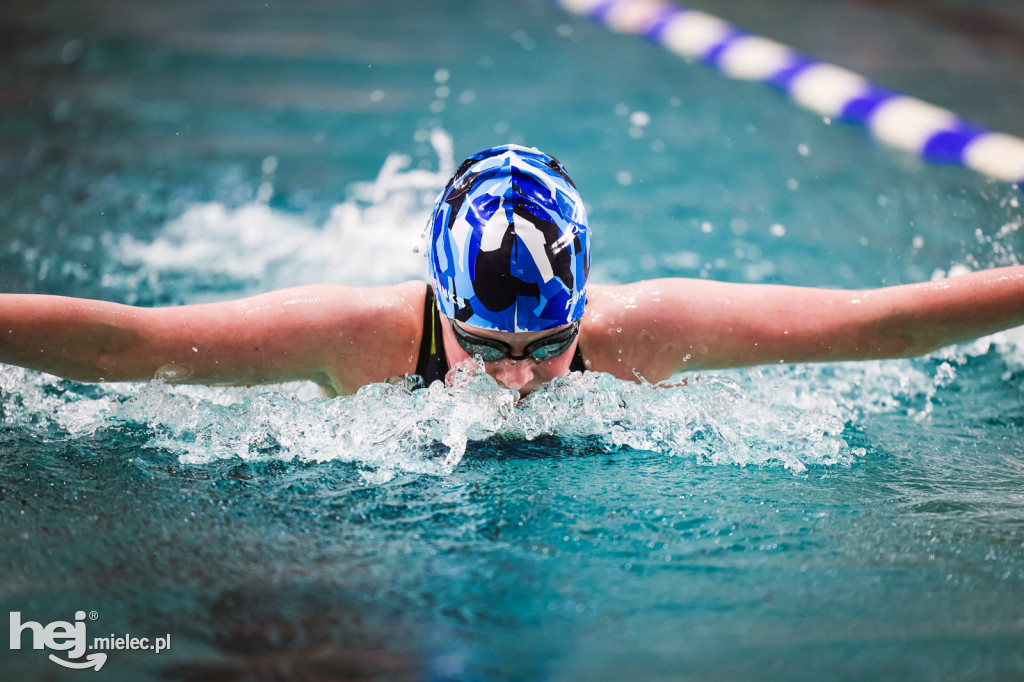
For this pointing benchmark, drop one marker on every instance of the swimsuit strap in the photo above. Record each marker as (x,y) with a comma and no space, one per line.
(432,364)
(577,361)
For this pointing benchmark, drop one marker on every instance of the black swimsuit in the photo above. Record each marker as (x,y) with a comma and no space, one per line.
(432,364)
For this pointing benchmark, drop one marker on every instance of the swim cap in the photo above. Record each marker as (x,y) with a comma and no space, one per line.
(509,243)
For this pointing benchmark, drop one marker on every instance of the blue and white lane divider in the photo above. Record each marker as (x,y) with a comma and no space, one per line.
(932,133)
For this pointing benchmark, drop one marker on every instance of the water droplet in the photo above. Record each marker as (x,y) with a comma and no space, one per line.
(640,119)
(62,110)
(264,192)
(71,52)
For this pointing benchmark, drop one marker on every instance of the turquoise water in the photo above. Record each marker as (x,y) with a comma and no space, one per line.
(846,521)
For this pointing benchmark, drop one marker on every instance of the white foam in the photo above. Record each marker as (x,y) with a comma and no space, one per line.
(779,416)
(373,237)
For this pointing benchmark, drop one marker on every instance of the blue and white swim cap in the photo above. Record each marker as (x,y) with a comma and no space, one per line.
(509,243)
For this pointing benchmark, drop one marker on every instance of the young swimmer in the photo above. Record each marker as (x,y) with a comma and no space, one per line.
(509,257)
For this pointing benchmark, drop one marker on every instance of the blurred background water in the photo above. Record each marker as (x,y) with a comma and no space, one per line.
(855,521)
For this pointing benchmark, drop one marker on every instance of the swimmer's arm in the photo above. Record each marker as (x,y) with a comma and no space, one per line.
(697,324)
(315,333)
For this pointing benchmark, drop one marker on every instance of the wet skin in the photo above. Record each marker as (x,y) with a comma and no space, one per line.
(343,337)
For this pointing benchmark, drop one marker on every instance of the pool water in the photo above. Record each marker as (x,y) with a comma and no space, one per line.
(860,521)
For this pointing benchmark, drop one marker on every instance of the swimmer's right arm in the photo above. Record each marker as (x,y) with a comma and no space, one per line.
(317,333)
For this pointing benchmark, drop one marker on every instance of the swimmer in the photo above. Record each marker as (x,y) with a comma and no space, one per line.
(509,258)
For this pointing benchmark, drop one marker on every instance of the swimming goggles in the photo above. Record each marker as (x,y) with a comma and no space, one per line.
(492,350)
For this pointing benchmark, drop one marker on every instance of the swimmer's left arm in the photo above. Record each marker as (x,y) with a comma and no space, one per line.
(687,324)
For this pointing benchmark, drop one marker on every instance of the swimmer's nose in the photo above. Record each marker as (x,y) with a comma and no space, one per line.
(514,374)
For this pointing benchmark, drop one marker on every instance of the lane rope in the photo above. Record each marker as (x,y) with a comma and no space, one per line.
(932,133)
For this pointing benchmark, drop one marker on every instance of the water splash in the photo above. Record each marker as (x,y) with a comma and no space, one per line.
(792,417)
(374,237)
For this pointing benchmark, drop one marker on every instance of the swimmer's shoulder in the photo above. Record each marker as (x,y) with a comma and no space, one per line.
(369,333)
(601,341)
(636,329)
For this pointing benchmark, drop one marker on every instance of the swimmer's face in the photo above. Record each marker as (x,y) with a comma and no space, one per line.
(524,376)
